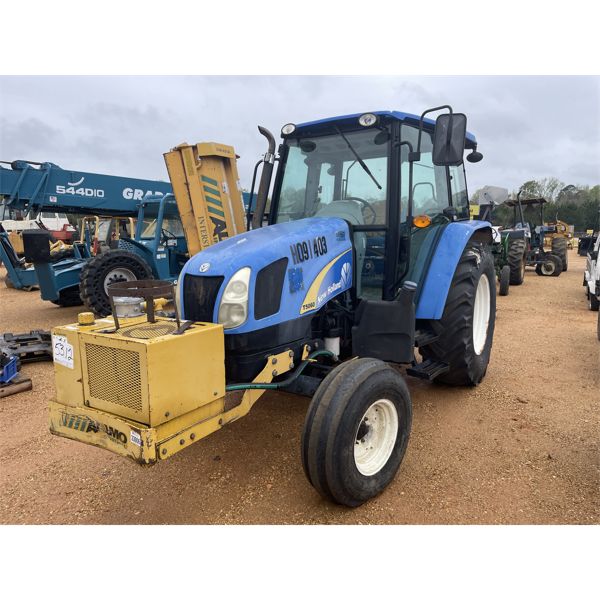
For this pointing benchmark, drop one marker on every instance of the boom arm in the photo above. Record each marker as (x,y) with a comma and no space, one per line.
(35,186)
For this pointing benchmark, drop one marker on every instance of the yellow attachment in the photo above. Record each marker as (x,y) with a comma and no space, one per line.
(86,318)
(207,191)
(422,221)
(143,393)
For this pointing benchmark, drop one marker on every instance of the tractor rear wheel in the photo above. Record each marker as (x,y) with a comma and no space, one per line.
(504,280)
(593,302)
(356,431)
(107,268)
(516,261)
(559,247)
(466,329)
(551,267)
(68,297)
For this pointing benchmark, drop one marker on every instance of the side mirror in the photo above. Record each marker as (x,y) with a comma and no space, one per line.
(449,139)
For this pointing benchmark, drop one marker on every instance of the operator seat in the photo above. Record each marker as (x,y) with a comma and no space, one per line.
(351,211)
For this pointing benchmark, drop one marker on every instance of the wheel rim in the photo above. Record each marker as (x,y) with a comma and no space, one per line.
(548,268)
(522,269)
(116,275)
(375,437)
(481,314)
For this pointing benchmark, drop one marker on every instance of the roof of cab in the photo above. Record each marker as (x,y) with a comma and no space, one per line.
(401,116)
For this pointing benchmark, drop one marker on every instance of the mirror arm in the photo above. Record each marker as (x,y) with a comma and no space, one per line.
(429,110)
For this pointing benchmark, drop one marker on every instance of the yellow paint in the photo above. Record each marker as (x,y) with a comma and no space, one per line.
(85,318)
(210,210)
(310,300)
(473,210)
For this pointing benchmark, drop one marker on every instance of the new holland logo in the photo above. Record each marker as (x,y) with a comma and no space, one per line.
(346,274)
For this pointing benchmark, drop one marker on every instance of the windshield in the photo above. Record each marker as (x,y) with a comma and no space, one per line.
(172,228)
(323,177)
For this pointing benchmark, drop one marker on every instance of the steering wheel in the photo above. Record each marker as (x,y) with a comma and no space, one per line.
(166,234)
(367,206)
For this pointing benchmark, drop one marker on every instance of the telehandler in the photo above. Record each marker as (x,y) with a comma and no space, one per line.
(285,306)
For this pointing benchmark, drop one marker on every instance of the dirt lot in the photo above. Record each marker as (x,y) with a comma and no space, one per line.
(523,447)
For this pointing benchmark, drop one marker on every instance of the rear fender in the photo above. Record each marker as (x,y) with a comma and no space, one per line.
(436,285)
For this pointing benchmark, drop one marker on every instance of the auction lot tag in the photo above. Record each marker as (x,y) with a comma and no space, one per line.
(62,351)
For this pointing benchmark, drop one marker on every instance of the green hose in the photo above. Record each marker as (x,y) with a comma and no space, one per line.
(275,386)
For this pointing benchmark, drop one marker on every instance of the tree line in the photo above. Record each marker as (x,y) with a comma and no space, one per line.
(577,205)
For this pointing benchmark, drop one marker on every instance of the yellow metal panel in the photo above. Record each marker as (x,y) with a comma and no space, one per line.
(68,379)
(206,187)
(185,371)
(105,431)
(115,375)
(146,373)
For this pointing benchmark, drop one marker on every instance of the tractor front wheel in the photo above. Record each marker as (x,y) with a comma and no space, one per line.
(551,267)
(105,269)
(356,431)
(593,302)
(504,280)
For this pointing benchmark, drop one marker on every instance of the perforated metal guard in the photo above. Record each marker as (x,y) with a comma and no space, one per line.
(114,376)
(148,331)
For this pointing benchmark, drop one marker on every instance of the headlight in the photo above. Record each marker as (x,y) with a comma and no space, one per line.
(178,296)
(233,310)
(288,129)
(367,119)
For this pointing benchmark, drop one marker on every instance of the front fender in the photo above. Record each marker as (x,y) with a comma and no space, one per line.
(436,285)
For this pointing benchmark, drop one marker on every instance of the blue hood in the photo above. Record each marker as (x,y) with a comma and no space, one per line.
(319,267)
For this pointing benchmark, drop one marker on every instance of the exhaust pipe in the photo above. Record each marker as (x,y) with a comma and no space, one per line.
(265,179)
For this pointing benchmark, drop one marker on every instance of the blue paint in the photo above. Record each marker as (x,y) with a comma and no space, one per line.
(400,116)
(441,270)
(260,247)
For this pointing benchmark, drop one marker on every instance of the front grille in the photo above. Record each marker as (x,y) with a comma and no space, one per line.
(114,376)
(148,331)
(269,284)
(199,297)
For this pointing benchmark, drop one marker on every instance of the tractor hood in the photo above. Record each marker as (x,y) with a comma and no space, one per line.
(295,268)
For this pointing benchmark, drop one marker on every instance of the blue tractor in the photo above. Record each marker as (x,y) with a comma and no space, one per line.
(386,187)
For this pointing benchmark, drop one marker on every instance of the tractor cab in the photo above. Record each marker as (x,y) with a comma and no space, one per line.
(159,232)
(359,168)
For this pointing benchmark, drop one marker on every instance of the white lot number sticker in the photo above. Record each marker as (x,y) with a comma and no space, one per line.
(135,438)
(62,351)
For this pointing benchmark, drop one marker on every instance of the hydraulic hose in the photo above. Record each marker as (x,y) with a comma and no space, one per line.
(280,384)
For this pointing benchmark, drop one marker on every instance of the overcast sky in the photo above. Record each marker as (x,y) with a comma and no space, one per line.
(527,127)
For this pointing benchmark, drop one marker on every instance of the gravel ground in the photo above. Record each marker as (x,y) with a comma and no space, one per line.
(523,447)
